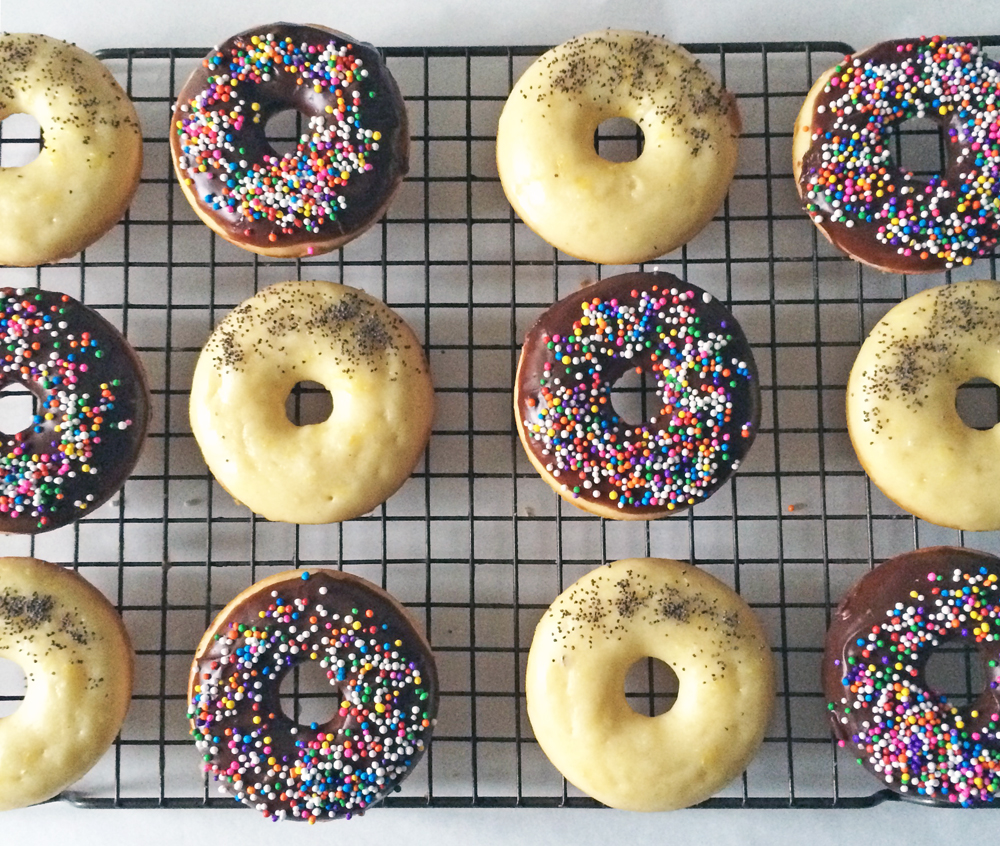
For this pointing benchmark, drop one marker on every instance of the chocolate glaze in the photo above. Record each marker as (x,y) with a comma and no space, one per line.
(859,239)
(866,607)
(366,194)
(713,316)
(121,434)
(346,596)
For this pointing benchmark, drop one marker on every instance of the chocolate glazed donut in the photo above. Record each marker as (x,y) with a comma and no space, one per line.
(92,410)
(877,212)
(348,164)
(882,635)
(382,676)
(707,388)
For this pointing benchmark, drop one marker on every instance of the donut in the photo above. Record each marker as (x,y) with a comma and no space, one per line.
(91,410)
(582,649)
(865,204)
(707,388)
(617,212)
(348,163)
(357,348)
(78,663)
(885,630)
(901,413)
(88,169)
(381,671)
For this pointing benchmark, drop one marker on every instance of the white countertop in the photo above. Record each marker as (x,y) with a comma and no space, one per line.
(152,23)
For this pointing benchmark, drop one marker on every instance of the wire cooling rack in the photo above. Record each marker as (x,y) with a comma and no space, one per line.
(475,544)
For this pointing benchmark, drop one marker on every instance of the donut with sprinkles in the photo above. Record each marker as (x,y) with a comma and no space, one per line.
(867,205)
(347,164)
(91,410)
(383,686)
(881,706)
(708,398)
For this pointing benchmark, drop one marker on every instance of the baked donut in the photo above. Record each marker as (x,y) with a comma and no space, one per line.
(864,203)
(706,383)
(357,348)
(347,164)
(88,169)
(78,663)
(881,638)
(901,413)
(380,668)
(575,688)
(617,212)
(92,409)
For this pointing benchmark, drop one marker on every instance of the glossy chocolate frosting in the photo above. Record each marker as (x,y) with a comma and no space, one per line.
(386,687)
(222,162)
(853,188)
(92,406)
(688,446)
(901,612)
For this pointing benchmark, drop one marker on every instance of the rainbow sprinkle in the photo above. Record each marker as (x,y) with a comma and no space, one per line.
(697,437)
(301,189)
(316,772)
(910,735)
(37,465)
(852,181)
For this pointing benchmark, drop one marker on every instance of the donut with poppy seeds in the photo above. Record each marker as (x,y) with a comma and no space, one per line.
(580,655)
(88,168)
(617,212)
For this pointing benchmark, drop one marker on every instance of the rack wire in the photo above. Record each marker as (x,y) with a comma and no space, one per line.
(475,544)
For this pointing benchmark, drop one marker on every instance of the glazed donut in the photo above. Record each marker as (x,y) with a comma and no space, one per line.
(866,205)
(78,663)
(90,162)
(347,164)
(901,413)
(706,381)
(617,212)
(380,668)
(92,410)
(884,632)
(579,657)
(361,352)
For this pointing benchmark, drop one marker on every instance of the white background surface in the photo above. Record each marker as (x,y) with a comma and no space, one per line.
(149,23)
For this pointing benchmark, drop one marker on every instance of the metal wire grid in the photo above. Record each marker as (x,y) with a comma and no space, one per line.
(475,544)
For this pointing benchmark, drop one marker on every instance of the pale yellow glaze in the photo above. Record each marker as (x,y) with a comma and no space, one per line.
(78,662)
(383,402)
(901,412)
(89,167)
(582,650)
(617,212)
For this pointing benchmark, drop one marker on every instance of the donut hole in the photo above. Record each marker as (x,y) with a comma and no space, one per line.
(651,687)
(619,139)
(283,130)
(916,145)
(307,696)
(978,404)
(955,671)
(18,407)
(308,403)
(13,684)
(20,140)
(634,397)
